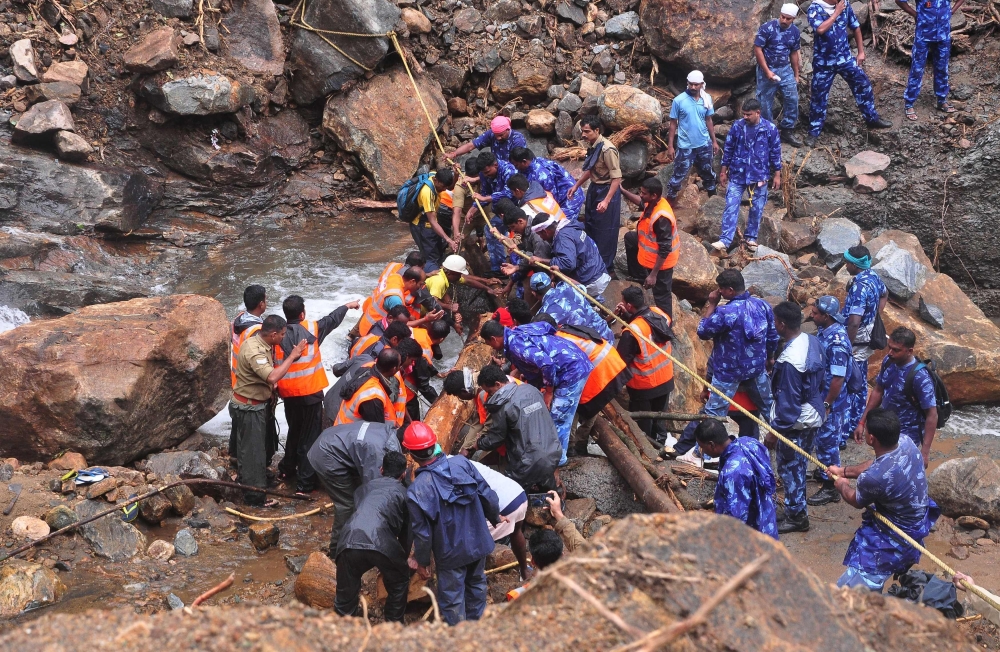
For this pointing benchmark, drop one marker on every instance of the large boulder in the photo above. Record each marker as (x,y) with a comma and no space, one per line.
(633,158)
(25,585)
(693,351)
(253,36)
(694,275)
(319,69)
(527,77)
(902,274)
(771,276)
(114,381)
(54,294)
(836,236)
(707,35)
(42,194)
(185,464)
(196,94)
(967,486)
(382,123)
(109,536)
(623,106)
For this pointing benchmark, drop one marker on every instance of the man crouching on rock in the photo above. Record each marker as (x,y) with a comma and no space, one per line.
(256,378)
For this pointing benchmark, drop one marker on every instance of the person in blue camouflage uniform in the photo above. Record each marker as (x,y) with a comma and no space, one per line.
(866,297)
(500,138)
(568,306)
(750,158)
(832,56)
(932,36)
(895,485)
(546,361)
(839,368)
(493,177)
(551,176)
(779,61)
(745,489)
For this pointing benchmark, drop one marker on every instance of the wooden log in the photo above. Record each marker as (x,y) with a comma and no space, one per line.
(370,204)
(630,468)
(621,420)
(673,416)
(316,584)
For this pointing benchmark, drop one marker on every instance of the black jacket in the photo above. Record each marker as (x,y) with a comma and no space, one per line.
(380,521)
(353,450)
(297,332)
(345,372)
(519,418)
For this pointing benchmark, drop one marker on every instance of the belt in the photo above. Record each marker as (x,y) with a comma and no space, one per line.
(244,399)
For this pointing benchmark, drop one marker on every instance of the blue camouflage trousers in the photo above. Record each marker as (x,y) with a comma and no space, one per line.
(857,405)
(573,205)
(828,437)
(822,82)
(767,89)
(701,157)
(731,214)
(565,399)
(792,469)
(940,53)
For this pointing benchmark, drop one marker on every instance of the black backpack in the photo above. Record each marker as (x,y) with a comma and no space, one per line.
(406,199)
(940,391)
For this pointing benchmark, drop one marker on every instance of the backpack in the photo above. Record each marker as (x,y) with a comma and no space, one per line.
(940,391)
(878,339)
(856,381)
(406,199)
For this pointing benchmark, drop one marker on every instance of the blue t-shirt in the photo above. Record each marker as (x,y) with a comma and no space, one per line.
(832,48)
(891,380)
(777,44)
(690,114)
(500,148)
(896,484)
(933,20)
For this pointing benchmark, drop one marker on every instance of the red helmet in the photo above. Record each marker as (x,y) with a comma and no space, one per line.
(418,436)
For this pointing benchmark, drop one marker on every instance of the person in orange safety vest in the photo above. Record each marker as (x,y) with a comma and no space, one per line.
(375,393)
(653,248)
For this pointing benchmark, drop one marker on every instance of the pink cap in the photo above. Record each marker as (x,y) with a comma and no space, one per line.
(500,124)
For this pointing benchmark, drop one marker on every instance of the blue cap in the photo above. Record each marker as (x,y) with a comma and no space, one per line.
(828,305)
(540,280)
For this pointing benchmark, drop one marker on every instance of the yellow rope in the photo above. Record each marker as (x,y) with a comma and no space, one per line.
(279,518)
(299,20)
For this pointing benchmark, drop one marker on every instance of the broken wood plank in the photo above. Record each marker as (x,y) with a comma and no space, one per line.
(370,204)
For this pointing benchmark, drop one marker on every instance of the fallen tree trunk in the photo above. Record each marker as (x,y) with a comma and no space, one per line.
(630,468)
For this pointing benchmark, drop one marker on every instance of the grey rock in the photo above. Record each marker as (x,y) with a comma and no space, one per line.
(66,92)
(54,294)
(22,58)
(623,26)
(861,11)
(109,536)
(7,82)
(725,113)
(769,278)
(902,274)
(571,12)
(503,11)
(185,543)
(595,477)
(796,236)
(958,20)
(295,563)
(487,61)
(633,158)
(931,314)
(71,147)
(321,70)
(174,8)
(42,120)
(574,86)
(212,43)
(187,464)
(603,63)
(198,94)
(571,103)
(819,167)
(564,126)
(253,36)
(967,486)
(59,517)
(539,145)
(6,472)
(836,236)
(531,25)
(556,91)
(174,602)
(467,20)
(452,77)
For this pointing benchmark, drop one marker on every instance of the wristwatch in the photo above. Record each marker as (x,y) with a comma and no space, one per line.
(826,405)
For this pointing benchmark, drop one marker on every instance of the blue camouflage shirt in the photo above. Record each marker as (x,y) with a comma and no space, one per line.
(863,295)
(500,149)
(752,153)
(837,349)
(544,358)
(777,44)
(496,187)
(895,484)
(890,380)
(744,338)
(832,48)
(933,20)
(567,306)
(746,485)
(551,176)
(497,252)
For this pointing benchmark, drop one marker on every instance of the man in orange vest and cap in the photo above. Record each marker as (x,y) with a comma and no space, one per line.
(653,248)
(302,387)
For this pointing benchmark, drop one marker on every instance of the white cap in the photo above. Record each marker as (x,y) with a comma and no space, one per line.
(790,9)
(695,77)
(455,263)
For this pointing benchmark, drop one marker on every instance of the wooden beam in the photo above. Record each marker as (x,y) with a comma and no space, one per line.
(630,468)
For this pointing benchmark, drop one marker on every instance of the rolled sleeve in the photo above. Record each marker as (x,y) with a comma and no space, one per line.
(261,366)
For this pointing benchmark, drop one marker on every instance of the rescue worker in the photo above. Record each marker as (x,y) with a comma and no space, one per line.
(602,209)
(493,176)
(652,372)
(449,505)
(573,253)
(691,123)
(549,363)
(931,36)
(376,536)
(413,259)
(417,372)
(532,198)
(397,290)
(518,222)
(519,421)
(653,248)
(372,343)
(376,393)
(567,306)
(430,237)
(777,50)
(256,378)
(832,56)
(246,323)
(500,138)
(797,411)
(455,270)
(302,387)
(346,457)
(551,176)
(750,158)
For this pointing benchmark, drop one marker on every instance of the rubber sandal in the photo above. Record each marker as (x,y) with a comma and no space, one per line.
(271,503)
(911,114)
(946,107)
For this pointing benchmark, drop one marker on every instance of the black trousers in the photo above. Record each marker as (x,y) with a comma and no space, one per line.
(655,429)
(352,564)
(341,489)
(305,422)
(663,288)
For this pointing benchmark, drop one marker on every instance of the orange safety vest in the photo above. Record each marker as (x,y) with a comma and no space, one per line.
(481,399)
(607,364)
(236,341)
(375,310)
(650,368)
(446,198)
(306,376)
(648,247)
(371,389)
(363,343)
(546,204)
(423,338)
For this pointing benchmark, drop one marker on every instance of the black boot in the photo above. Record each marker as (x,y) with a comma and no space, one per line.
(788,136)
(881,124)
(810,141)
(826,494)
(798,523)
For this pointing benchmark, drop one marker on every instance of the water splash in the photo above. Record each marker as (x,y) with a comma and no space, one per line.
(11,318)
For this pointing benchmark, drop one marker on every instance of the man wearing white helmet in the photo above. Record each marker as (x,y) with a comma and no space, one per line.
(454,269)
(691,122)
(777,50)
